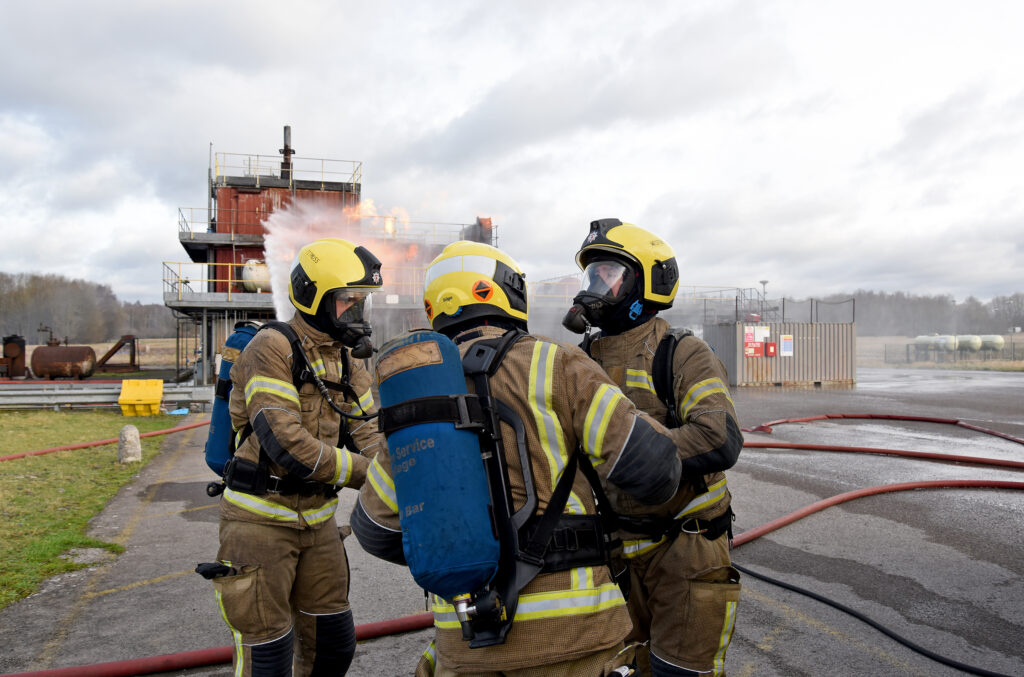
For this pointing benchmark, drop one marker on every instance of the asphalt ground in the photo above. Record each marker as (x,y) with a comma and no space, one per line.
(942,567)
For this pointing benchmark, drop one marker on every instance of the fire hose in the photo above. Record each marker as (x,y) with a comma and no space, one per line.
(100,443)
(219,655)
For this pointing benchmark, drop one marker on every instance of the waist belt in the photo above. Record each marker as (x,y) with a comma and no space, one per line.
(255,478)
(576,541)
(659,527)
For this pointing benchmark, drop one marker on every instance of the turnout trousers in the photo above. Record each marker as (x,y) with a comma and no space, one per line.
(683,597)
(287,600)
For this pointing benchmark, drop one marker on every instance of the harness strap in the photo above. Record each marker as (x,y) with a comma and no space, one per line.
(663,376)
(464,410)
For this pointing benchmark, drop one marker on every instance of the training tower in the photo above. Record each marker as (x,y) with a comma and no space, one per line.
(226,279)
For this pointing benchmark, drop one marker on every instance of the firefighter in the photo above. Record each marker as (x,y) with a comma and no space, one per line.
(571,619)
(683,589)
(285,592)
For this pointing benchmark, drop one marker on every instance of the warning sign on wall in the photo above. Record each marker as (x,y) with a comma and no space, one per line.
(753,349)
(786,345)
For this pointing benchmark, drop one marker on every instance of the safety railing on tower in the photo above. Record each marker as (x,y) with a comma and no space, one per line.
(262,167)
(187,281)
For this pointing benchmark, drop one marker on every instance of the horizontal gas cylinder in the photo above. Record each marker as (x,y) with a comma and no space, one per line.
(63,361)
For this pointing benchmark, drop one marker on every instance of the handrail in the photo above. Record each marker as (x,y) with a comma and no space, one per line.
(260,167)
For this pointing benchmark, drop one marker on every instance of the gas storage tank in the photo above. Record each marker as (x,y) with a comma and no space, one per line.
(992,342)
(56,361)
(968,342)
(947,343)
(255,276)
(14,356)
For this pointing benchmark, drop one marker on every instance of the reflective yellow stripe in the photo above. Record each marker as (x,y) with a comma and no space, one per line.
(724,638)
(582,577)
(366,400)
(631,549)
(596,423)
(256,505)
(382,485)
(701,390)
(542,368)
(235,634)
(271,386)
(319,369)
(538,605)
(320,514)
(342,467)
(431,655)
(714,494)
(638,378)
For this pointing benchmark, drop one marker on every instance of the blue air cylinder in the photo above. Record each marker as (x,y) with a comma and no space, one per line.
(218,441)
(440,481)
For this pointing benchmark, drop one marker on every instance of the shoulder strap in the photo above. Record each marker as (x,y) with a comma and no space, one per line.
(300,369)
(663,376)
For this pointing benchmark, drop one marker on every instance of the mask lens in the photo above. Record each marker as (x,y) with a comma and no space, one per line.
(608,279)
(351,307)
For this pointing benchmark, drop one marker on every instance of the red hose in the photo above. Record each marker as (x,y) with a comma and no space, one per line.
(767,427)
(757,532)
(927,456)
(216,656)
(99,443)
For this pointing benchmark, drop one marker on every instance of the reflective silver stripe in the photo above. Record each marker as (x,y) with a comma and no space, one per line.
(321,514)
(598,416)
(538,605)
(568,602)
(319,369)
(343,467)
(548,427)
(366,400)
(632,549)
(468,262)
(271,386)
(235,634)
(383,485)
(444,613)
(725,637)
(260,507)
(715,493)
(431,655)
(638,378)
(701,390)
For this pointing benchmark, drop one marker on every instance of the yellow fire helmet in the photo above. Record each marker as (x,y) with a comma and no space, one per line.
(331,285)
(470,280)
(653,256)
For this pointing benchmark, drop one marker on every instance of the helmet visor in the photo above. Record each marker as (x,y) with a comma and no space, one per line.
(349,306)
(607,279)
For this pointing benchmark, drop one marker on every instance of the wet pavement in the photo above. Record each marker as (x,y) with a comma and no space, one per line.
(942,567)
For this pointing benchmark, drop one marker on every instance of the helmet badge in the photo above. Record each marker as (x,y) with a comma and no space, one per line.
(482,290)
(376,277)
(591,236)
(429,309)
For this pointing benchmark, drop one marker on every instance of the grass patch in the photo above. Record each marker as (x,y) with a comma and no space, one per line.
(46,501)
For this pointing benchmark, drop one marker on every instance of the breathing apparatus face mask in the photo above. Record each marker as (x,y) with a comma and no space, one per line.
(345,316)
(606,284)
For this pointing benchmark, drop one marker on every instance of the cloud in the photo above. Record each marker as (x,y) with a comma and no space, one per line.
(813,146)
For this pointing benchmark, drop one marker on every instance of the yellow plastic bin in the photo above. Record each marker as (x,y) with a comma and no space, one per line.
(141,397)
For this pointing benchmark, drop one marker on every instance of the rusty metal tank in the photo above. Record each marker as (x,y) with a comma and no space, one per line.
(57,361)
(12,364)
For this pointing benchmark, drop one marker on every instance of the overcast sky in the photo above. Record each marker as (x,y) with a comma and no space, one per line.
(823,146)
